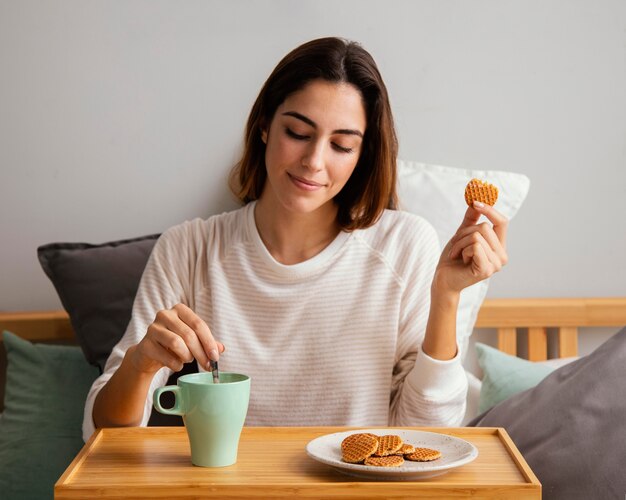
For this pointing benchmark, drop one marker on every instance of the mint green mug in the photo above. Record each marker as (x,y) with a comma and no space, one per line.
(213,414)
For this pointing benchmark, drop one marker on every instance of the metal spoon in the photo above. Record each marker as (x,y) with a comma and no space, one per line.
(216,372)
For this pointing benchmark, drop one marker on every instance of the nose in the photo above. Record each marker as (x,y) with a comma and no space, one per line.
(314,156)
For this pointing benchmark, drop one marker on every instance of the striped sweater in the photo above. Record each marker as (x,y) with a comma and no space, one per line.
(334,340)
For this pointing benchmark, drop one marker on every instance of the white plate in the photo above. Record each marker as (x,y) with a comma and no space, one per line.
(454,453)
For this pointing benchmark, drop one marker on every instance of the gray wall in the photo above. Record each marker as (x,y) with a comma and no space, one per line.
(122,118)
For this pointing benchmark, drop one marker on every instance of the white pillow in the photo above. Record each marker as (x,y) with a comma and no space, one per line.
(437,194)
(473,396)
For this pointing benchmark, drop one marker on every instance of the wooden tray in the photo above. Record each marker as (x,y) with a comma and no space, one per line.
(154,462)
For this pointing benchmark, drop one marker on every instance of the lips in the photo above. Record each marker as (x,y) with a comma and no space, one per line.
(306,184)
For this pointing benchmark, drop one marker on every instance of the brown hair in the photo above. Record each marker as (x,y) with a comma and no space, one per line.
(372,186)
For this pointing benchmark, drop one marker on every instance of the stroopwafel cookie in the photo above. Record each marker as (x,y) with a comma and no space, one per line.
(388,445)
(387,461)
(405,449)
(357,447)
(423,455)
(477,190)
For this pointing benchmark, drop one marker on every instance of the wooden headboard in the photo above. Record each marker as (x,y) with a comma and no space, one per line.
(507,316)
(565,316)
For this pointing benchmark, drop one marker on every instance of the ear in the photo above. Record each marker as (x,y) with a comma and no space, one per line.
(264,134)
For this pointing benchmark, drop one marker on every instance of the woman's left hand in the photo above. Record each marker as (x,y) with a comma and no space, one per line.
(475,252)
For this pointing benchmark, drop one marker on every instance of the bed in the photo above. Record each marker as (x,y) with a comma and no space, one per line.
(560,403)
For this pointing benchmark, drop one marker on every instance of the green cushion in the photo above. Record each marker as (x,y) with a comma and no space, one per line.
(40,429)
(505,375)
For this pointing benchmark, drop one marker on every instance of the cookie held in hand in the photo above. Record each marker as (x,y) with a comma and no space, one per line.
(477,190)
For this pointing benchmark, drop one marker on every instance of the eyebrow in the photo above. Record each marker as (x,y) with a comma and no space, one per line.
(310,122)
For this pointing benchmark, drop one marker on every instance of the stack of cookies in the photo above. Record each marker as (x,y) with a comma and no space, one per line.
(383,451)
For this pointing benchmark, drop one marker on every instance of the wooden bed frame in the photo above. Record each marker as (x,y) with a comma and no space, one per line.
(540,316)
(562,317)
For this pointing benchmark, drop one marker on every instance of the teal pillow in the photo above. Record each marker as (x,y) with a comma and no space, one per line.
(505,375)
(41,427)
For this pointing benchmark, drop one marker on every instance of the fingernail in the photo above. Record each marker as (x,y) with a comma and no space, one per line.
(214,355)
(479,204)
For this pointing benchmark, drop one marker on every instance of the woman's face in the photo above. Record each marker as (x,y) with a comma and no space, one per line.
(313,145)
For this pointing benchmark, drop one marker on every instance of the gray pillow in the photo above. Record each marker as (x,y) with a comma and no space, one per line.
(571,427)
(97,286)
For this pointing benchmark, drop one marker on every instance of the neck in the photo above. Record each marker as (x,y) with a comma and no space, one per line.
(292,237)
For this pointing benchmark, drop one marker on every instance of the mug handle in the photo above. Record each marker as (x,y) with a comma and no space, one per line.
(174,410)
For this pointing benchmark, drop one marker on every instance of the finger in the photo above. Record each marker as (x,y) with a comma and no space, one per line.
(166,347)
(470,218)
(493,263)
(169,339)
(188,335)
(167,359)
(479,264)
(468,235)
(499,221)
(202,330)
(173,322)
(476,242)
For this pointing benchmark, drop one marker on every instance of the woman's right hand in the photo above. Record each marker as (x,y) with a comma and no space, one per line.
(177,336)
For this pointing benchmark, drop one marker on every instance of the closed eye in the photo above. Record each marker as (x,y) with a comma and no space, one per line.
(342,149)
(292,134)
(299,137)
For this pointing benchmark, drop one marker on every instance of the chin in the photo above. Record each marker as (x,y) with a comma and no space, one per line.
(305,206)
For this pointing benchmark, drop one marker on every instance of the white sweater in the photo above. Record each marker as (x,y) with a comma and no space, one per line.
(334,340)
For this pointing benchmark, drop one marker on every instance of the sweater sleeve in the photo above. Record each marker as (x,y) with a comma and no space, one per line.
(164,283)
(425,391)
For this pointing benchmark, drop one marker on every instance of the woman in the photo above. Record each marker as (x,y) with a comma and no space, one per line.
(337,305)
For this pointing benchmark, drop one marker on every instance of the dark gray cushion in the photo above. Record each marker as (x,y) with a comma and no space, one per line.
(571,427)
(97,286)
